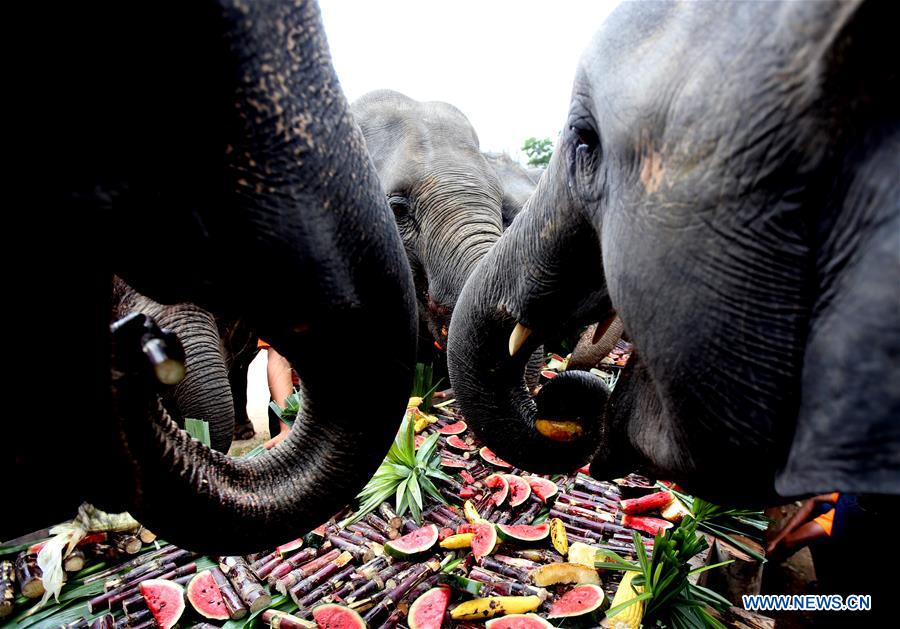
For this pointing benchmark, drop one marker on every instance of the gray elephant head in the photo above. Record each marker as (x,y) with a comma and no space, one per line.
(727,183)
(205,154)
(447,199)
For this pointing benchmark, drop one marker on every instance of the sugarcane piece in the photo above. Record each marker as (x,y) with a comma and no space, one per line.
(497,585)
(134,604)
(129,577)
(363,529)
(132,563)
(283,620)
(506,570)
(393,619)
(149,624)
(245,583)
(376,582)
(7,587)
(392,595)
(517,562)
(588,514)
(503,516)
(296,560)
(266,569)
(170,573)
(106,621)
(359,540)
(595,500)
(383,527)
(74,561)
(80,623)
(324,589)
(103,600)
(528,515)
(598,487)
(233,603)
(359,553)
(296,575)
(135,618)
(388,513)
(303,587)
(537,555)
(586,503)
(29,574)
(262,560)
(146,535)
(583,523)
(126,543)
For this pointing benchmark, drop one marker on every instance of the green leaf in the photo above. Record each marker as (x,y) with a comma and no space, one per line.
(198,429)
(427,449)
(415,492)
(705,568)
(612,611)
(401,495)
(436,473)
(429,488)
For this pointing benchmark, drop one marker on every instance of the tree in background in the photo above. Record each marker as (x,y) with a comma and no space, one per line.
(538,151)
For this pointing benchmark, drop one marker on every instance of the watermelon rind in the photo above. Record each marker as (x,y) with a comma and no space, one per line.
(455,442)
(523,532)
(337,617)
(454,429)
(418,541)
(518,621)
(499,486)
(485,540)
(519,490)
(428,610)
(569,605)
(198,599)
(152,590)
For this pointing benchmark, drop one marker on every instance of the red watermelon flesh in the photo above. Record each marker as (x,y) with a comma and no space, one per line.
(518,621)
(543,488)
(331,616)
(165,600)
(428,610)
(499,487)
(492,458)
(417,541)
(446,462)
(519,490)
(454,429)
(485,540)
(459,444)
(419,440)
(205,597)
(580,600)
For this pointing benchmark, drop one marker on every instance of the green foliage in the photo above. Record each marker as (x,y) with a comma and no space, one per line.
(291,408)
(406,474)
(424,385)
(670,599)
(538,151)
(198,429)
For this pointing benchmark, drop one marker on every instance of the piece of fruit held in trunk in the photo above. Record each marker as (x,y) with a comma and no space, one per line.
(481,608)
(165,599)
(519,489)
(419,541)
(427,612)
(7,587)
(560,573)
(205,597)
(580,601)
(484,541)
(488,455)
(518,621)
(29,576)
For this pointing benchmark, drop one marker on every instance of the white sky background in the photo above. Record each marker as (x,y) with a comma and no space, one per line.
(508,65)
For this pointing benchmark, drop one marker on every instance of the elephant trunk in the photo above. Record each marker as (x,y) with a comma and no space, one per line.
(496,327)
(282,253)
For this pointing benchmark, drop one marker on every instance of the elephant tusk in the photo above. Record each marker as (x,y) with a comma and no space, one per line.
(518,337)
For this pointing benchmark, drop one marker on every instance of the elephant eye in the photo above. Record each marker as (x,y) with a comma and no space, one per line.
(585,138)
(400,206)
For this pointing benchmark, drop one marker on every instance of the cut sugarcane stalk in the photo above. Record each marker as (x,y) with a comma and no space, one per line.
(391,532)
(363,529)
(74,561)
(126,543)
(360,553)
(388,513)
(103,600)
(377,581)
(106,621)
(285,583)
(170,574)
(146,535)
(537,555)
(133,563)
(282,620)
(324,589)
(393,595)
(233,603)
(506,570)
(325,572)
(7,587)
(297,560)
(528,515)
(29,576)
(245,583)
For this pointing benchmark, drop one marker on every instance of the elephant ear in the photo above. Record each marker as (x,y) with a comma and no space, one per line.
(847,436)
(516,184)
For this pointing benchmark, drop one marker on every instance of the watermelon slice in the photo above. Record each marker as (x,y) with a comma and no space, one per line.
(550,375)
(419,440)
(492,458)
(499,486)
(456,463)
(541,487)
(428,610)
(454,429)
(485,540)
(524,532)
(331,616)
(519,490)
(580,600)
(165,600)
(205,597)
(455,442)
(518,621)
(418,541)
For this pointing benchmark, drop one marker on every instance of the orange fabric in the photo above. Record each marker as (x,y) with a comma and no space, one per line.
(826,520)
(261,344)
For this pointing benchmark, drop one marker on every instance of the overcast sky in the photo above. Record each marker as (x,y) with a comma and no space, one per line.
(507,64)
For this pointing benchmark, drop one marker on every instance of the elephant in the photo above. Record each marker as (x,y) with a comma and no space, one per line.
(216,356)
(726,184)
(516,182)
(204,153)
(450,201)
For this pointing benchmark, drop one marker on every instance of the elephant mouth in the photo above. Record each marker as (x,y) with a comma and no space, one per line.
(438,319)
